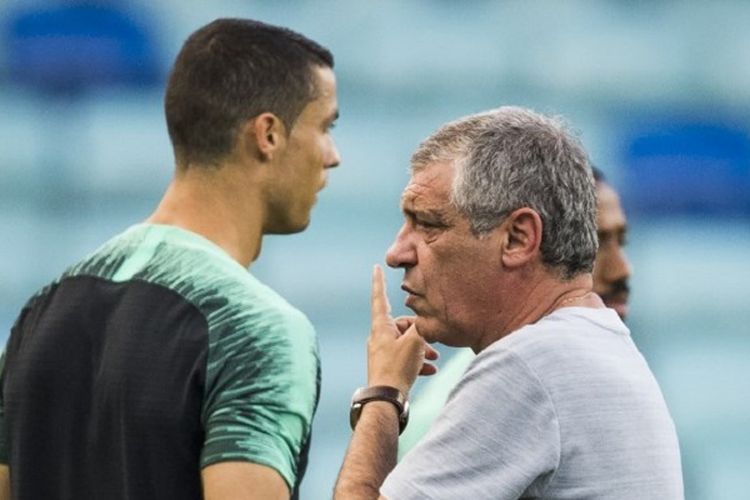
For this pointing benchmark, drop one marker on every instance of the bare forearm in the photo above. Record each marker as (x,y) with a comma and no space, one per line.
(395,356)
(371,455)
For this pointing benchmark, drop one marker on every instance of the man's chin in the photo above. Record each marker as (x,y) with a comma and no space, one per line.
(432,331)
(289,226)
(424,328)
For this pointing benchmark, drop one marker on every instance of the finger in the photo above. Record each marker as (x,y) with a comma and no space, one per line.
(428,369)
(379,301)
(430,352)
(404,322)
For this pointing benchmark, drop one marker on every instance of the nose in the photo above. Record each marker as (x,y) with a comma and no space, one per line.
(624,263)
(333,158)
(401,253)
(617,266)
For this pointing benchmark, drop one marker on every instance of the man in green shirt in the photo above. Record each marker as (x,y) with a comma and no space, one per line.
(157,367)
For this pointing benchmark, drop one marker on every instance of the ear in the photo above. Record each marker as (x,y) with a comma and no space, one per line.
(522,238)
(266,135)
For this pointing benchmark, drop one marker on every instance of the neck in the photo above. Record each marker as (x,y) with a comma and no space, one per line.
(218,204)
(529,300)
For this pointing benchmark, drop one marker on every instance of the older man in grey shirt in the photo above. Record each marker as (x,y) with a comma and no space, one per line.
(497,251)
(563,408)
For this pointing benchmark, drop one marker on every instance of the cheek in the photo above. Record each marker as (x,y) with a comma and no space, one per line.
(453,280)
(468,276)
(599,274)
(318,146)
(316,158)
(602,259)
(456,292)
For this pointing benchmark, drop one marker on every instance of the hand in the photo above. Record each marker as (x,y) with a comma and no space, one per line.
(403,323)
(396,353)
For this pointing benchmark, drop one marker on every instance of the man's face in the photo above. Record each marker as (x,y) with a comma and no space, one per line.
(310,151)
(447,269)
(611,267)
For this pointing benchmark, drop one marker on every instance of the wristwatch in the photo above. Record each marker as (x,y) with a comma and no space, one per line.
(364,395)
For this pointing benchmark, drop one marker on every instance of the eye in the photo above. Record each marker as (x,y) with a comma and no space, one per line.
(426,224)
(423,222)
(622,238)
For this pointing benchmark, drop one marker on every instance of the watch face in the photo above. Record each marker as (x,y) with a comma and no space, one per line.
(403,419)
(354,412)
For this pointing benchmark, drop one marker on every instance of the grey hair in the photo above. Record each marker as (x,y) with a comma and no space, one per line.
(511,157)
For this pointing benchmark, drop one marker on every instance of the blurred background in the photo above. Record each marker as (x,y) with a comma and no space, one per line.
(658,91)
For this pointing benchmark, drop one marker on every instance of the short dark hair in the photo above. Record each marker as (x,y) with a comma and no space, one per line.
(598,174)
(230,71)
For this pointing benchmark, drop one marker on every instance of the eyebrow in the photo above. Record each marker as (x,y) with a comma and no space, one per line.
(429,212)
(616,228)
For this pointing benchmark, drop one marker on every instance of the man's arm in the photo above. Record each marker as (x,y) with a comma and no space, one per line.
(241,481)
(371,455)
(4,482)
(258,405)
(394,359)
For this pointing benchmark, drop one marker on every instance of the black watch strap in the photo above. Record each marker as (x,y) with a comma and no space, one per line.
(364,395)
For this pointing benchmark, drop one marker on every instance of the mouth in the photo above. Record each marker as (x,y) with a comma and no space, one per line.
(411,297)
(618,302)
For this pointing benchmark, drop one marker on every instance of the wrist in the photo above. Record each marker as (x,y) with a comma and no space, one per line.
(380,393)
(402,386)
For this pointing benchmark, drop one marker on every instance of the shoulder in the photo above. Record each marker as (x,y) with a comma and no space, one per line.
(242,314)
(499,404)
(246,319)
(567,338)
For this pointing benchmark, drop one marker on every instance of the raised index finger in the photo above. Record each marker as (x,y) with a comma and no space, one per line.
(381,308)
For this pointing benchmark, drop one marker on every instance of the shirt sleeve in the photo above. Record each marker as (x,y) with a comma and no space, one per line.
(427,405)
(497,437)
(262,388)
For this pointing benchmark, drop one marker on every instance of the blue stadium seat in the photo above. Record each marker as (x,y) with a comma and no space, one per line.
(70,48)
(690,168)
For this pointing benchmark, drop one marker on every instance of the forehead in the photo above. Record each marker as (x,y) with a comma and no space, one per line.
(325,89)
(429,187)
(325,83)
(325,104)
(609,211)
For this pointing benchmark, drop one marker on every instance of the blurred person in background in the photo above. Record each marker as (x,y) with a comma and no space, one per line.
(498,249)
(158,367)
(611,267)
(611,282)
